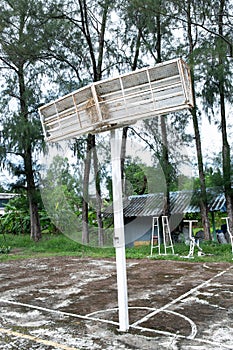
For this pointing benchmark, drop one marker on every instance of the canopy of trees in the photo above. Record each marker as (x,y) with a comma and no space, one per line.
(49,48)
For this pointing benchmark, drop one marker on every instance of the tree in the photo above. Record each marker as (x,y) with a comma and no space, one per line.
(88,21)
(145,29)
(203,196)
(217,91)
(83,44)
(164,159)
(225,86)
(188,13)
(21,48)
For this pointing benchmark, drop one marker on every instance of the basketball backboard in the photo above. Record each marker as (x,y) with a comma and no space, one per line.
(119,101)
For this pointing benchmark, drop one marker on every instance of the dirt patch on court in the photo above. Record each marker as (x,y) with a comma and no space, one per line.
(71,303)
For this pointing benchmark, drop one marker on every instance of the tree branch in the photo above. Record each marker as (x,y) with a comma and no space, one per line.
(9,65)
(227,41)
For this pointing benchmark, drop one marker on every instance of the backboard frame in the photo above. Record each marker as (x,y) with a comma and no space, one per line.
(119,101)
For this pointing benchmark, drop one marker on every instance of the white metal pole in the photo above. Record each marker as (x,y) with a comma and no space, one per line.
(119,235)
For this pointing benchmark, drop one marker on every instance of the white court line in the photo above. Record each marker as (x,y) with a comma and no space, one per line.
(62,313)
(104,321)
(192,324)
(169,334)
(199,340)
(135,326)
(174,335)
(191,291)
(207,267)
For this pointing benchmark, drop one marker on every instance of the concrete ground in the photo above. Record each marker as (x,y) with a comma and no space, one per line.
(71,303)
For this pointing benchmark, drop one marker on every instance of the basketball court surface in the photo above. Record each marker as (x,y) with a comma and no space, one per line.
(71,303)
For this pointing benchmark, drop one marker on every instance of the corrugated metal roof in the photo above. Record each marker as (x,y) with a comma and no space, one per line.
(152,204)
(218,203)
(180,201)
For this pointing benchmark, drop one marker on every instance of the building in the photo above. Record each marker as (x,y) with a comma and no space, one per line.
(140,209)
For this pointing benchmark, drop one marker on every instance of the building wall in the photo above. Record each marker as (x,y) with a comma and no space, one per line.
(138,230)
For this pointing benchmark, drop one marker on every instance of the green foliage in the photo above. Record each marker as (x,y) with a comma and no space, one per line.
(58,184)
(214,178)
(141,179)
(214,184)
(15,220)
(135,178)
(48,42)
(21,37)
(4,249)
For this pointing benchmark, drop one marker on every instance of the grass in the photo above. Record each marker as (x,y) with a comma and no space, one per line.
(21,246)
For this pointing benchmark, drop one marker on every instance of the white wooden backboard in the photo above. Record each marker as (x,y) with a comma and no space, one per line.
(119,101)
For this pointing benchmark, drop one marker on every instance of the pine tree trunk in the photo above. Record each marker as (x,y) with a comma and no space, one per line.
(34,219)
(165,156)
(97,61)
(35,233)
(203,196)
(87,167)
(165,166)
(98,195)
(28,166)
(123,155)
